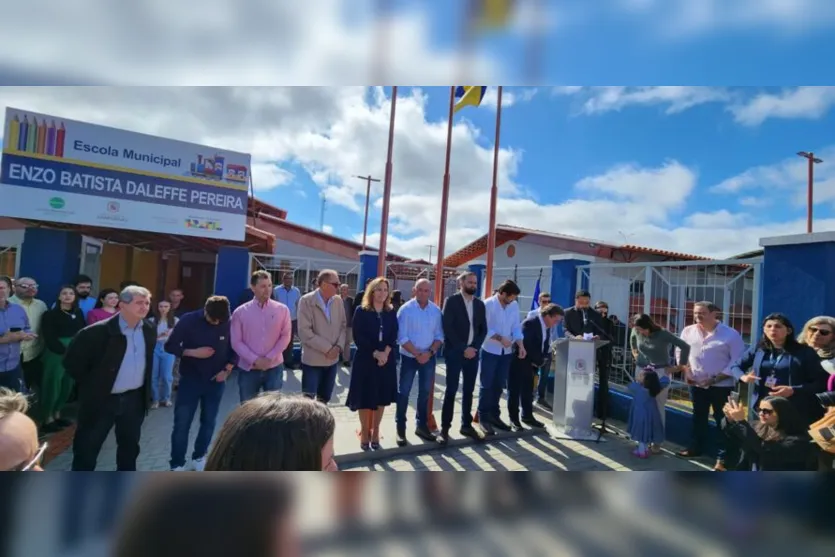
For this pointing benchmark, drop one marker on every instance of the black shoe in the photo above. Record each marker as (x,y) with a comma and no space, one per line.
(424,433)
(401,438)
(63,422)
(488,428)
(516,426)
(499,424)
(443,437)
(533,422)
(544,404)
(471,432)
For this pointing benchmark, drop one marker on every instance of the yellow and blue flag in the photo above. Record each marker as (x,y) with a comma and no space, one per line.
(468,95)
(493,14)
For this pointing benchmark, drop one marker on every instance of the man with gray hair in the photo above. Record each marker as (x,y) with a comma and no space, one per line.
(420,335)
(111,361)
(322,334)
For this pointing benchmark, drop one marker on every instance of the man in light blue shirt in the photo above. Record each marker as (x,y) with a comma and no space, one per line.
(503,331)
(421,333)
(289,295)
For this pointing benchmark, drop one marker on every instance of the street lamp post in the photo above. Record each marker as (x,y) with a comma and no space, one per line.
(813,160)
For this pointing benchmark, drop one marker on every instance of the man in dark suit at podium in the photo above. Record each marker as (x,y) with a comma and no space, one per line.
(536,333)
(582,319)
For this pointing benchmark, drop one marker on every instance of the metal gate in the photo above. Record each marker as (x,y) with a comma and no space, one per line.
(305,269)
(403,277)
(525,278)
(667,291)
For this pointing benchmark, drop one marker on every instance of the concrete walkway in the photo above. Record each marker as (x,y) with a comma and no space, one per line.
(529,450)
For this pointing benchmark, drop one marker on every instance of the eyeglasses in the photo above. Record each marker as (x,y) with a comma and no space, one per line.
(766,411)
(27,286)
(36,461)
(821,332)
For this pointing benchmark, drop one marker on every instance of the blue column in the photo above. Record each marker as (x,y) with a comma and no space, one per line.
(479,268)
(564,278)
(797,276)
(232,272)
(52,257)
(368,267)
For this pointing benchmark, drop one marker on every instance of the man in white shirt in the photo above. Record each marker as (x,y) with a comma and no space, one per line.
(503,331)
(713,348)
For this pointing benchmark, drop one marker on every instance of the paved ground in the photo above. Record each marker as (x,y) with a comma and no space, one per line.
(529,452)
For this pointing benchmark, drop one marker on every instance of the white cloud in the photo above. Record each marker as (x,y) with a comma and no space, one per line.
(268,175)
(678,19)
(802,102)
(334,134)
(327,229)
(510,96)
(674,99)
(783,182)
(213,42)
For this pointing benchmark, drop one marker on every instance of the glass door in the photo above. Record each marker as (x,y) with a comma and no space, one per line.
(91,260)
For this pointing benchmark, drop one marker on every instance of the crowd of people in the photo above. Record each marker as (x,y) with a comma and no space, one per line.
(120,358)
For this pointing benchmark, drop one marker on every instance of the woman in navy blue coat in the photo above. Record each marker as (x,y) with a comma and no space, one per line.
(779,366)
(374,370)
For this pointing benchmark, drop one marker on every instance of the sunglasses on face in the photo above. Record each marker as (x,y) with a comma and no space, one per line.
(821,332)
(36,461)
(766,411)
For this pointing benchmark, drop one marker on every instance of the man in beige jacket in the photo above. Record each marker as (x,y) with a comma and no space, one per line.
(322,334)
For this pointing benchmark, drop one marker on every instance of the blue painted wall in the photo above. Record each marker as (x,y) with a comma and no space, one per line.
(798,280)
(51,257)
(564,281)
(478,269)
(232,273)
(368,268)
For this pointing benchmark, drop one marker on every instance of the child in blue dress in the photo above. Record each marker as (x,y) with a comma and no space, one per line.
(645,425)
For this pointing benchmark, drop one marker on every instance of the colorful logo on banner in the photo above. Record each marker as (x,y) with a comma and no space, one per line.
(113,207)
(215,168)
(204,224)
(57,203)
(39,137)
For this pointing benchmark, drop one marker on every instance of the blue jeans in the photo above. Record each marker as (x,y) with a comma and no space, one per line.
(163,373)
(251,382)
(12,379)
(318,381)
(191,392)
(494,371)
(426,374)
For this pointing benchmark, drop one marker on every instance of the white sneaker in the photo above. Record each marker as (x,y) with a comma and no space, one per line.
(199,464)
(179,469)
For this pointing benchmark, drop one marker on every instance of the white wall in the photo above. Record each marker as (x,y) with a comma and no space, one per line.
(10,238)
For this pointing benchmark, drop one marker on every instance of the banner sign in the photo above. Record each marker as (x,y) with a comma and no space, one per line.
(60,170)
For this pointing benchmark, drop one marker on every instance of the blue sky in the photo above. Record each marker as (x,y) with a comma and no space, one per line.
(701,168)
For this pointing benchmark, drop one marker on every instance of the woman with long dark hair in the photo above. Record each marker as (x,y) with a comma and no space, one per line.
(107,306)
(246,515)
(778,441)
(652,346)
(275,433)
(780,366)
(163,372)
(58,327)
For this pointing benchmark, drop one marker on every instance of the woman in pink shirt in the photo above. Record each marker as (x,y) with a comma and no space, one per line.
(106,306)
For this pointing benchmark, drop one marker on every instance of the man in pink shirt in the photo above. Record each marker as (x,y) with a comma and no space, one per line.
(261,330)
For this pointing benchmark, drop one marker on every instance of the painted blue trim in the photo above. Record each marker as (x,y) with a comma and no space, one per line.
(479,269)
(368,269)
(52,257)
(232,273)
